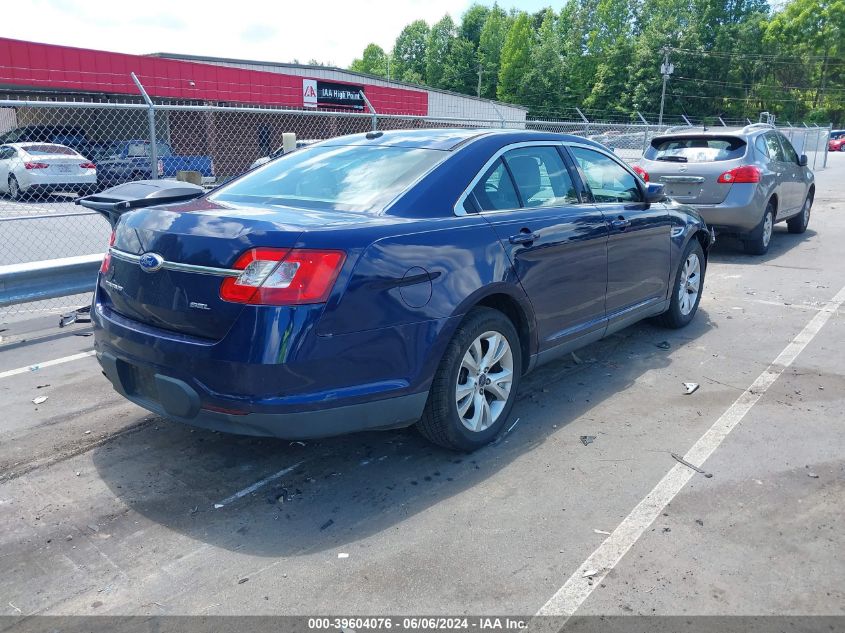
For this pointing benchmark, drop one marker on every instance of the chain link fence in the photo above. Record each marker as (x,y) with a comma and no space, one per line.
(53,152)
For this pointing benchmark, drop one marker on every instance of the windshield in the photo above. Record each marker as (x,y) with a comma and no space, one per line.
(696,149)
(349,178)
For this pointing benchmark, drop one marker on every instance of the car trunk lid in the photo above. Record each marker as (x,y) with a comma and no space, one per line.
(196,245)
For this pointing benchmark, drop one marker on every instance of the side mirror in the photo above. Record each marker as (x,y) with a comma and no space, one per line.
(654,193)
(802,160)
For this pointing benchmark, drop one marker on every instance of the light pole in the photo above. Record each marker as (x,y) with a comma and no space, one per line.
(666,69)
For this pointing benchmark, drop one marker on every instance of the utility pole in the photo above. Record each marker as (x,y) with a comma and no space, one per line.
(478,92)
(666,69)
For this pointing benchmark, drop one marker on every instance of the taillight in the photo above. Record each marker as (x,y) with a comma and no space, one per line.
(104,267)
(746,173)
(88,165)
(278,276)
(642,173)
(36,165)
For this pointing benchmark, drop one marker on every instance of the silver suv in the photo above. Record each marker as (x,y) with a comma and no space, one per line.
(740,181)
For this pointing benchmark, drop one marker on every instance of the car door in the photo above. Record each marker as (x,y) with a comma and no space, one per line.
(793,174)
(777,165)
(639,234)
(6,154)
(556,243)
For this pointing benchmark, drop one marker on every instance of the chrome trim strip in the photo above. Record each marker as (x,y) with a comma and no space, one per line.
(178,266)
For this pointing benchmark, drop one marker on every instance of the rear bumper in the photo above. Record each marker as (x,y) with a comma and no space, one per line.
(740,212)
(269,378)
(177,400)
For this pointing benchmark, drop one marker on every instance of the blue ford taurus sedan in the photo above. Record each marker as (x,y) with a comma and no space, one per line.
(386,279)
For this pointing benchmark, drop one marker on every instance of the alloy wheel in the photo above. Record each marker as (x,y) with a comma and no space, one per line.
(690,284)
(768,226)
(484,381)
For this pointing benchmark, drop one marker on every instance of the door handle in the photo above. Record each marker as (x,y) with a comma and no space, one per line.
(523,237)
(620,223)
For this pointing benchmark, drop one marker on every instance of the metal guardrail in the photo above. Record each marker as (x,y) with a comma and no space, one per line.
(36,281)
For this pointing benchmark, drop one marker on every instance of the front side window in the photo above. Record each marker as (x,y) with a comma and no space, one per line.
(347,178)
(495,190)
(541,178)
(788,150)
(607,179)
(775,150)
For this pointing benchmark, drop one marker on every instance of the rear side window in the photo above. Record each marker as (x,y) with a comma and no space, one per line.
(541,177)
(495,190)
(696,149)
(761,147)
(775,150)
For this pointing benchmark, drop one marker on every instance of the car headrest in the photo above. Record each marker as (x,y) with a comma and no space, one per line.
(526,172)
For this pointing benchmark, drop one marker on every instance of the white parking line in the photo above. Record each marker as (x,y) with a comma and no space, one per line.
(47,363)
(256,486)
(581,584)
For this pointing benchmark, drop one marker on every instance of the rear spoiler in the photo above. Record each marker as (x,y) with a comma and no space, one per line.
(114,202)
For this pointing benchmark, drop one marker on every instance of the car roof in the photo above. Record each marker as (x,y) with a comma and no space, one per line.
(26,144)
(448,139)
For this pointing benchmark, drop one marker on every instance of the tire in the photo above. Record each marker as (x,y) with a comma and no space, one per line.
(759,243)
(442,421)
(15,192)
(799,223)
(690,276)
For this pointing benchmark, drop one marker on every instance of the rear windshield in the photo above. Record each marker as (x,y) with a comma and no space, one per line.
(48,150)
(348,178)
(696,149)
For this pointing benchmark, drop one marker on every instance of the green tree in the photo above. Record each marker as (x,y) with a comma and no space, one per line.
(409,52)
(541,90)
(472,22)
(373,61)
(490,43)
(440,41)
(515,60)
(461,69)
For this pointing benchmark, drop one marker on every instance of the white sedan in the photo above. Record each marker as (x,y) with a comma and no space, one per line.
(29,168)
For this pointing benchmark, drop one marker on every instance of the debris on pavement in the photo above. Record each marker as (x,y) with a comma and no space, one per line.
(242,581)
(80,315)
(39,400)
(217,506)
(663,344)
(590,573)
(690,387)
(327,524)
(688,465)
(297,443)
(502,435)
(42,386)
(575,359)
(83,334)
(343,555)
(601,532)
(812,474)
(93,528)
(587,439)
(700,522)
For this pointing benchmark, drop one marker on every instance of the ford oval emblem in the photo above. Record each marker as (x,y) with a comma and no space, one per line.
(150,262)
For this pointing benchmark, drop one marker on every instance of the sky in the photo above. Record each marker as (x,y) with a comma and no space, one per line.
(331,31)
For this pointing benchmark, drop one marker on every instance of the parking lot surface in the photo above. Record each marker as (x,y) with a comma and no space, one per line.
(107,509)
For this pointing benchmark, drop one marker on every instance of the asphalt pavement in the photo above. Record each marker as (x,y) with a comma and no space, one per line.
(106,509)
